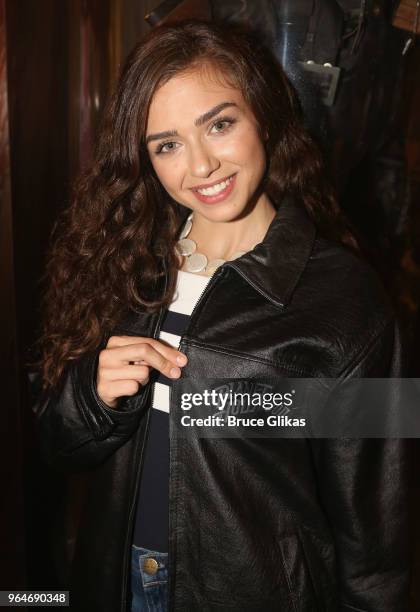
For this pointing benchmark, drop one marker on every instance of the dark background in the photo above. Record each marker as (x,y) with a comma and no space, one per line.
(58,62)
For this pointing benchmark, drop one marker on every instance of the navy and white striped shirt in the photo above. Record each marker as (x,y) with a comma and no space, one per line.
(151,528)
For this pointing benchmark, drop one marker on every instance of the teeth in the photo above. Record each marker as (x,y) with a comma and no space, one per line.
(209,191)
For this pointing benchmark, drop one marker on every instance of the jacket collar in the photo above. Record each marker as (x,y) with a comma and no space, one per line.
(275,265)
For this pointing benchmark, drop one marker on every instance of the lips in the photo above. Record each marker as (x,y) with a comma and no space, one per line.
(216,191)
(207,185)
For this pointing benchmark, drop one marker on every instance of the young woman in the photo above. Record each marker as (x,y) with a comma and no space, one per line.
(204,242)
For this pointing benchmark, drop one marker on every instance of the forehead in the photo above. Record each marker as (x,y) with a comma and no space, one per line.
(189,94)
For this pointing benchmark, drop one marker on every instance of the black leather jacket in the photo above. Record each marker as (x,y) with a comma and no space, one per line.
(255,524)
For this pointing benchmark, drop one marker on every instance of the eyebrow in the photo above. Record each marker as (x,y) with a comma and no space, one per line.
(199,121)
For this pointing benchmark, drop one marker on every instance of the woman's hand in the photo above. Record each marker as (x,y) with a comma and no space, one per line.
(125,364)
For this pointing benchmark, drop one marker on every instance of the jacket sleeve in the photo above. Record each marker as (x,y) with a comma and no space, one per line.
(77,430)
(363,487)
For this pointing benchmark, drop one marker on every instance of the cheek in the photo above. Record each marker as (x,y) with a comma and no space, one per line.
(168,173)
(246,148)
(254,144)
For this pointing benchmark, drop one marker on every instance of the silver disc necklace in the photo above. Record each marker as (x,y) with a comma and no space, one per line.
(195,261)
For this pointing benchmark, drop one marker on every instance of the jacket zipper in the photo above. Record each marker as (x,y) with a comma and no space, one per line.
(172,548)
(219,272)
(172,544)
(138,468)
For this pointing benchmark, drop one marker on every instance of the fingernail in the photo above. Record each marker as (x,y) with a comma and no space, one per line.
(181,359)
(175,372)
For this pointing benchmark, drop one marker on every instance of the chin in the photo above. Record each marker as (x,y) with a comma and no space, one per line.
(222,214)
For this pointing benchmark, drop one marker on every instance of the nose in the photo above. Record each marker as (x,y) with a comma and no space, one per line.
(202,160)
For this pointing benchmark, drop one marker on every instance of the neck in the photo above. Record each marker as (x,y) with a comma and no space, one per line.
(223,239)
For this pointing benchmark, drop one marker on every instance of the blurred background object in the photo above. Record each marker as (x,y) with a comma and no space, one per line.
(356,67)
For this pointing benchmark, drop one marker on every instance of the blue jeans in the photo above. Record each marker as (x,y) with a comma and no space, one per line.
(149,580)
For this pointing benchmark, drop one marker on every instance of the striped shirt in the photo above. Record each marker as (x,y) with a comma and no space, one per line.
(152,516)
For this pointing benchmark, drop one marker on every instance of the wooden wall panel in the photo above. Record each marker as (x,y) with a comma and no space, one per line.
(12,574)
(62,61)
(37,65)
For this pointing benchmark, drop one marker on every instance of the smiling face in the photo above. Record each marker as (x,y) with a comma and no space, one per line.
(204,145)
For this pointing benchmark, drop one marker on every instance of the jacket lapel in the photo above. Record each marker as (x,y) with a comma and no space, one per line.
(275,265)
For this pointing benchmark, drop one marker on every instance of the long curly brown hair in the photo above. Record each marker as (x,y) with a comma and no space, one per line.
(114,241)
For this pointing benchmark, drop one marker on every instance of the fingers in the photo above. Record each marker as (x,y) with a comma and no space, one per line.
(124,365)
(123,387)
(167,351)
(110,392)
(170,353)
(124,340)
(154,358)
(130,372)
(122,351)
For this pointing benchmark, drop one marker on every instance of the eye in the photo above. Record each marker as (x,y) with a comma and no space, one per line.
(223,124)
(165,147)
